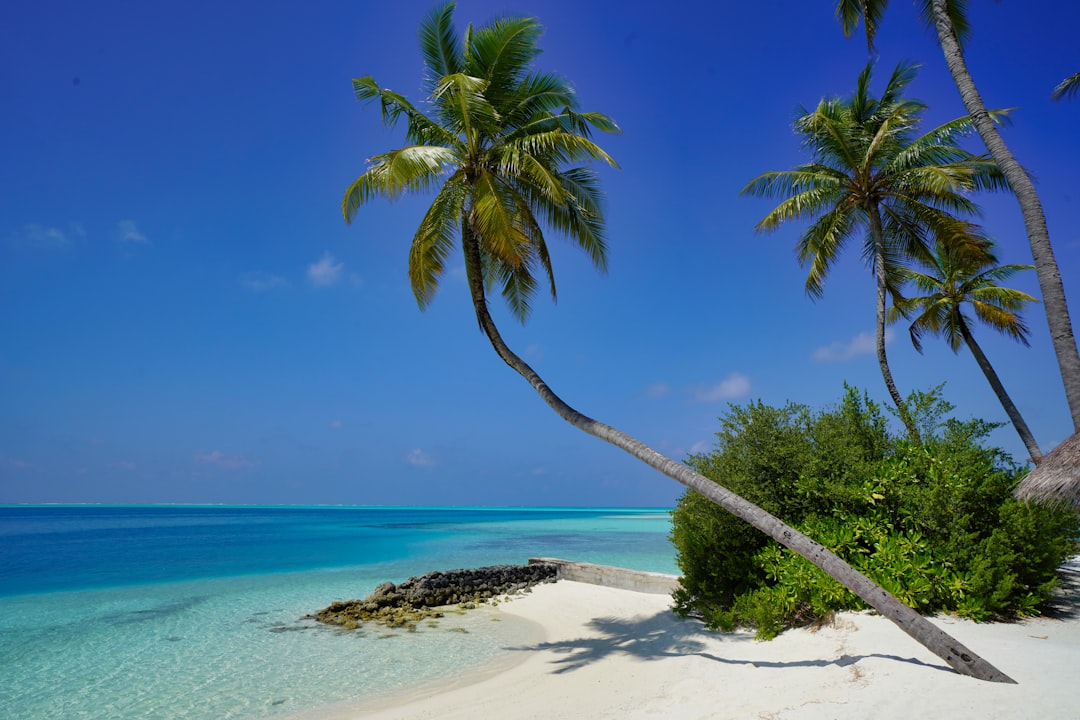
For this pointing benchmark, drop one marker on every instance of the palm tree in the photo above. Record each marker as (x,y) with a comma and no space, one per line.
(948,19)
(870,174)
(494,149)
(955,278)
(1067,87)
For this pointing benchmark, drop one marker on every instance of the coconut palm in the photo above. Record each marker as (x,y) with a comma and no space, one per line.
(1067,87)
(955,279)
(948,20)
(494,148)
(870,174)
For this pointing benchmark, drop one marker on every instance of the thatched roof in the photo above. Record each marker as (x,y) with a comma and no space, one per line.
(1057,478)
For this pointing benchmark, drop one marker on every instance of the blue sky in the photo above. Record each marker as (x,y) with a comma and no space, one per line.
(185,317)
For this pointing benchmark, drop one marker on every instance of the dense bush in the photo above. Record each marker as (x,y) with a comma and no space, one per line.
(935,524)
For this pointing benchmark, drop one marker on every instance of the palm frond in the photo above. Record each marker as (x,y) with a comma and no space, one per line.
(501,52)
(579,218)
(462,101)
(806,204)
(408,169)
(420,128)
(850,12)
(492,215)
(820,246)
(439,45)
(538,94)
(434,240)
(1067,88)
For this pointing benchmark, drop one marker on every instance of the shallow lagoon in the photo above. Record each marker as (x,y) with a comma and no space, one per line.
(197,612)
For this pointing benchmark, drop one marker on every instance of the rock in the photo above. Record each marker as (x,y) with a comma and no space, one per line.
(416,599)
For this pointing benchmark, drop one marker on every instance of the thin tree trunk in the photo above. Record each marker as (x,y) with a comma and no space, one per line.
(879,327)
(959,657)
(1046,267)
(999,389)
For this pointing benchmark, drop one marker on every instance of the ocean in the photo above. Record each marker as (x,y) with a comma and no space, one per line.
(198,612)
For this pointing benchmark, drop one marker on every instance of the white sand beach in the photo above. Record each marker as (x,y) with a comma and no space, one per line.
(611,653)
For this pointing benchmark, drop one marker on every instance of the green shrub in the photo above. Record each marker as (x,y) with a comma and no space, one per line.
(936,524)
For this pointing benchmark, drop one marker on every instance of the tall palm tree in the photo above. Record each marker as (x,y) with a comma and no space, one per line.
(870,174)
(495,149)
(1067,87)
(949,21)
(954,279)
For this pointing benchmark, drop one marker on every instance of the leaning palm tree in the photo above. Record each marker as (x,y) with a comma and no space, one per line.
(494,147)
(1067,87)
(870,174)
(949,21)
(954,280)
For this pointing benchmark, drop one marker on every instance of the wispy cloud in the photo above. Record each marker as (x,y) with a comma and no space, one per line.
(658,390)
(336,424)
(44,237)
(733,387)
(128,233)
(840,351)
(326,271)
(123,465)
(262,281)
(700,447)
(216,458)
(419,458)
(15,463)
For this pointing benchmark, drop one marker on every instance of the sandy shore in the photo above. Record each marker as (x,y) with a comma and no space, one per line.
(611,653)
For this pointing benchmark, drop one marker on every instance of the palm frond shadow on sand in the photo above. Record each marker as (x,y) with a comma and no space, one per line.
(665,635)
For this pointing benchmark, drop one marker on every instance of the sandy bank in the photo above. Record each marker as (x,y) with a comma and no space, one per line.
(611,653)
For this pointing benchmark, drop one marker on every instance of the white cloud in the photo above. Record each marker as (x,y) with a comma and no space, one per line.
(336,424)
(700,447)
(733,387)
(861,344)
(127,232)
(419,458)
(221,460)
(261,281)
(658,390)
(43,237)
(326,271)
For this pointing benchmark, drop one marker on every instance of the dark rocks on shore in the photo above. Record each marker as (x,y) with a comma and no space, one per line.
(422,597)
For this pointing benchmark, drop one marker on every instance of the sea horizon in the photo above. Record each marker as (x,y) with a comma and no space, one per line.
(198,610)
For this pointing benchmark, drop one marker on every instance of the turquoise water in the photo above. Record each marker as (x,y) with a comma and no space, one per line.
(197,612)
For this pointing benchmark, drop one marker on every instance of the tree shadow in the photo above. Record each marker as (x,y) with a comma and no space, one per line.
(665,635)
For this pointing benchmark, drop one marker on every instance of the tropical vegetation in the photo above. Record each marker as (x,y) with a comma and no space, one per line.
(871,175)
(936,523)
(498,147)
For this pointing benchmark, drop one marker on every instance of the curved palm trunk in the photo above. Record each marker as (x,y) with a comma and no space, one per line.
(879,329)
(1003,397)
(1046,268)
(950,650)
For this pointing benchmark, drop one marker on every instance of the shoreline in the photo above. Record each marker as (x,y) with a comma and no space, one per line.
(605,652)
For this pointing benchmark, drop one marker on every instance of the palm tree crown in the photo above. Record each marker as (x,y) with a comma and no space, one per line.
(955,279)
(498,143)
(870,174)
